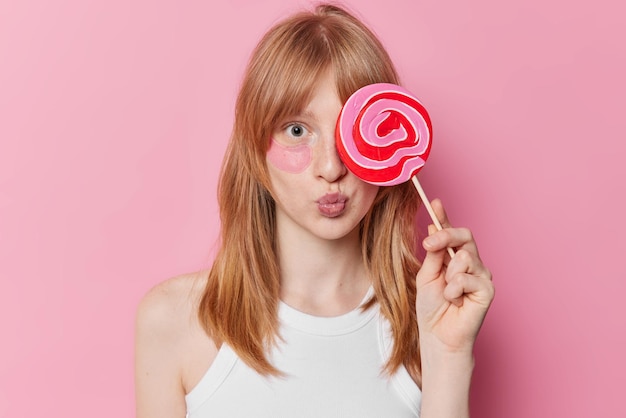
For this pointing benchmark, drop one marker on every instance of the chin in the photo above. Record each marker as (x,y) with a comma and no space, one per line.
(339,232)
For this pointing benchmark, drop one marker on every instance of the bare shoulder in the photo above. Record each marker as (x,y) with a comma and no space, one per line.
(172,349)
(168,309)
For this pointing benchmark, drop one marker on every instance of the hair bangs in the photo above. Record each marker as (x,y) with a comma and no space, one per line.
(357,56)
(304,61)
(286,67)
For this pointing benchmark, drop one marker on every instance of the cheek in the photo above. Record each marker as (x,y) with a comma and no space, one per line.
(289,159)
(369,195)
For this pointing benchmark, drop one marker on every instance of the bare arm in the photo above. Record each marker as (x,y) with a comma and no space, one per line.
(446,379)
(453,297)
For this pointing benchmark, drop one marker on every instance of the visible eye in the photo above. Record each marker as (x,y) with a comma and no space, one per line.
(296,130)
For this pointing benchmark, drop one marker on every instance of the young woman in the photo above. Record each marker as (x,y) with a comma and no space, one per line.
(315,305)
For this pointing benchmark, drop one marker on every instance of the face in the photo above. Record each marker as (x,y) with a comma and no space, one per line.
(316,196)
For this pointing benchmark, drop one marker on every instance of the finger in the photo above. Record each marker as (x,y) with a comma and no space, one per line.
(465,262)
(437,206)
(441,214)
(463,284)
(432,229)
(435,240)
(458,301)
(432,266)
(461,238)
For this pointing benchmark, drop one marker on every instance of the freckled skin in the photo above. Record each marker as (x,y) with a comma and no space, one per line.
(324,200)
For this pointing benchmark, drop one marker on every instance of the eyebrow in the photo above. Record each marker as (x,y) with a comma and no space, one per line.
(304,114)
(307,114)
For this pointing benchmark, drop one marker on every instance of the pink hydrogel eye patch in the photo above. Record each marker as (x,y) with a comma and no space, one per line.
(292,160)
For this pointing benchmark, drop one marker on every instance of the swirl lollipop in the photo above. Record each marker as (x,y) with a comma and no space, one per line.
(383,136)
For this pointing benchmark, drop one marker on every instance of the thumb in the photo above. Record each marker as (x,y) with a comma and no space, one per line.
(432,265)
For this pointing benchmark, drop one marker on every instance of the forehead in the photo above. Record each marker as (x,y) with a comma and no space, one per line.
(324,92)
(323,101)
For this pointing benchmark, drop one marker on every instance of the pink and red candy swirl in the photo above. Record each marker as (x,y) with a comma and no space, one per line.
(383,134)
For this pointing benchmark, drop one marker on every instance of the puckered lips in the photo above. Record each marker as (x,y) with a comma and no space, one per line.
(332,205)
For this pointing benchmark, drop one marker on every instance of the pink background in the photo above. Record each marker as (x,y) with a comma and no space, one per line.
(114,116)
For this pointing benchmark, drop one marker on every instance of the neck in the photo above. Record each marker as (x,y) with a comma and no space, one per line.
(322,277)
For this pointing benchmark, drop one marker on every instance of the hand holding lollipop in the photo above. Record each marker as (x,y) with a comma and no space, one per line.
(383,136)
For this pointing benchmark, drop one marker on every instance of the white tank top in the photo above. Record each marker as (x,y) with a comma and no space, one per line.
(332,366)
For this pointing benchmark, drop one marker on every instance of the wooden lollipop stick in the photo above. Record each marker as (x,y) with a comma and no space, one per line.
(429,208)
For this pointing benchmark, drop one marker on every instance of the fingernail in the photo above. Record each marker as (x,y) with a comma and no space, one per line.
(430,241)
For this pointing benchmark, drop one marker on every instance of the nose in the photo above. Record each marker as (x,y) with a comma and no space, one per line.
(328,164)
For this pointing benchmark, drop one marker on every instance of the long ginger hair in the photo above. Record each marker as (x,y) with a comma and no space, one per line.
(240,302)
